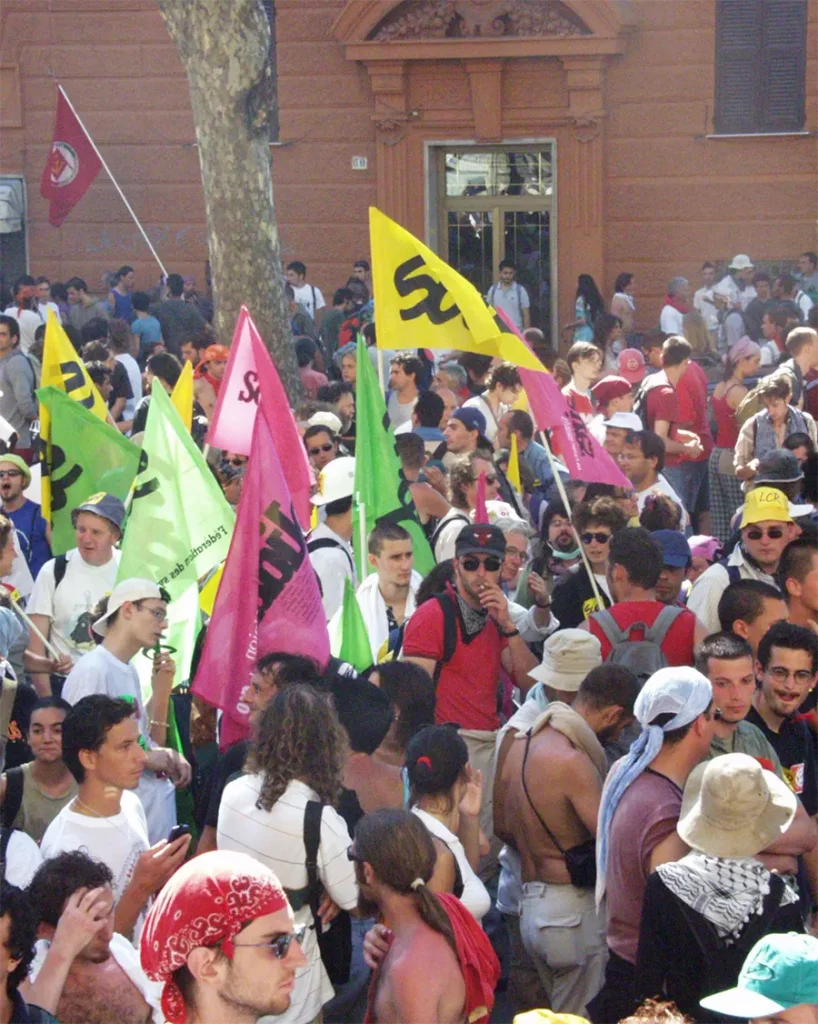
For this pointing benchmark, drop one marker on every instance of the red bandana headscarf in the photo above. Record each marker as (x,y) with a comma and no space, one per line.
(206,903)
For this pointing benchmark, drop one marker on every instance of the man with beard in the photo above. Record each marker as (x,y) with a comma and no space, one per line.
(101,981)
(563,551)
(33,531)
(542,820)
(220,937)
(440,965)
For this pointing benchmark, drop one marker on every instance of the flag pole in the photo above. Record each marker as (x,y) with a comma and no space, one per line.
(380,371)
(113,179)
(564,496)
(362,532)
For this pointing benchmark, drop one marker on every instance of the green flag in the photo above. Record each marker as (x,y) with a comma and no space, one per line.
(179,526)
(348,635)
(380,485)
(86,456)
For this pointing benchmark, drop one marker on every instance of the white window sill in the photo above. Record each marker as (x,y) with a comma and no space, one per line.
(760,135)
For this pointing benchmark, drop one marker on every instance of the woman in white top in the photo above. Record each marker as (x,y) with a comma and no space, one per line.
(504,387)
(445,794)
(463,477)
(298,757)
(622,304)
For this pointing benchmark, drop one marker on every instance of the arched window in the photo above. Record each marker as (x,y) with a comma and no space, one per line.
(761,62)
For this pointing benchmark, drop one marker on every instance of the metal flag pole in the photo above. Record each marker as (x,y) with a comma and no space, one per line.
(113,179)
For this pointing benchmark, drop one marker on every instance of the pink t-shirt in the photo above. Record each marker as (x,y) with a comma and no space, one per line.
(645,816)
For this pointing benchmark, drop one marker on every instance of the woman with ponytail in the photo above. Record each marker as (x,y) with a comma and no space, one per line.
(432,960)
(445,794)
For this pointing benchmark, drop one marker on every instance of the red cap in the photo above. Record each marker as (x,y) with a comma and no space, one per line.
(610,388)
(631,365)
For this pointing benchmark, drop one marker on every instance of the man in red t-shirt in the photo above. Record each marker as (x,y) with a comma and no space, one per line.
(634,565)
(485,640)
(658,402)
(689,477)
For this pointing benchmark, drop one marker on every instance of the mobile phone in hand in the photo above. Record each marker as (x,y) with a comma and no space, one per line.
(177,832)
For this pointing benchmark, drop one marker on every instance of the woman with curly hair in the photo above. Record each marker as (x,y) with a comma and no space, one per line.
(295,768)
(463,477)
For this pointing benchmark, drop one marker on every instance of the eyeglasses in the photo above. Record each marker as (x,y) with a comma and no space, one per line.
(279,944)
(160,614)
(321,448)
(239,460)
(12,474)
(600,538)
(491,478)
(490,564)
(772,533)
(802,676)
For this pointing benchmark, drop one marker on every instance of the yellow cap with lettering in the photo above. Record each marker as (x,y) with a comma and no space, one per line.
(766,504)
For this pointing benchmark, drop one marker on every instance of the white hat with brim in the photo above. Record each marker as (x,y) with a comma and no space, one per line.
(335,481)
(742,1002)
(732,807)
(324,418)
(625,421)
(741,262)
(128,590)
(567,658)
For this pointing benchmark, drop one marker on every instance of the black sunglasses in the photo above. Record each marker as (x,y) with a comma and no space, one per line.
(471,564)
(773,533)
(321,448)
(279,944)
(600,538)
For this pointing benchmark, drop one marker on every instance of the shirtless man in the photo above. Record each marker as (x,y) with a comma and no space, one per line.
(103,980)
(420,977)
(563,764)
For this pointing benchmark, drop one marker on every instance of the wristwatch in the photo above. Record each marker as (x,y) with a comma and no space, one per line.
(510,633)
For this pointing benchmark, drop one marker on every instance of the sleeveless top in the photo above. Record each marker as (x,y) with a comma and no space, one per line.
(727,426)
(38,809)
(123,309)
(475,897)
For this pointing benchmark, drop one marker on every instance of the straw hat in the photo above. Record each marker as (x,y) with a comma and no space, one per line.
(732,807)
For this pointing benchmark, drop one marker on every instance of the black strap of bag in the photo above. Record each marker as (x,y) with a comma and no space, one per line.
(580,860)
(335,943)
(14,796)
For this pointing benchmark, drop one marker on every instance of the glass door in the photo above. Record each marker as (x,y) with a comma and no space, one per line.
(497,204)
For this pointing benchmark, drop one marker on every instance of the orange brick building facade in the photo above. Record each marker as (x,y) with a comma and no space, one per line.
(577,136)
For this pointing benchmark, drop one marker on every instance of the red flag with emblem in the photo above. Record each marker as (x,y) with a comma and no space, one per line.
(71,166)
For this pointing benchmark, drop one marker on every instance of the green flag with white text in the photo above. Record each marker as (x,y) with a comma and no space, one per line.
(179,525)
(380,485)
(86,456)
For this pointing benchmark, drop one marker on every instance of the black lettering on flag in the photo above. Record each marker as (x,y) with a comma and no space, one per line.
(581,433)
(75,381)
(60,485)
(435,293)
(278,560)
(253,392)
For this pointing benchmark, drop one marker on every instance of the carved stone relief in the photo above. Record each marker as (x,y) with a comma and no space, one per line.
(469,19)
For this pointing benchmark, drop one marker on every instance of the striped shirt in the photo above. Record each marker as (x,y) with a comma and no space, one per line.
(276,838)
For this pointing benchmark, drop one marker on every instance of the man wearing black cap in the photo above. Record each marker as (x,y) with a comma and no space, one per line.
(463,638)
(465,431)
(68,587)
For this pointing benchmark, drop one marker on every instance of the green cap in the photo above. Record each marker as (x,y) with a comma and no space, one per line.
(781,971)
(21,464)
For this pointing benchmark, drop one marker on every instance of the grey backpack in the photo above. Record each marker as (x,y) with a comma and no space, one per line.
(642,657)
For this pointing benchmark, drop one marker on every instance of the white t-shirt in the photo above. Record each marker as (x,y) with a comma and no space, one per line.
(512,300)
(99,671)
(135,378)
(70,607)
(663,487)
(703,303)
(276,838)
(671,320)
(29,321)
(744,296)
(475,897)
(117,841)
(304,295)
(23,857)
(128,959)
(400,413)
(332,565)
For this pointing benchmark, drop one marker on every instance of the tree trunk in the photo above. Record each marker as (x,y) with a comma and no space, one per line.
(225,46)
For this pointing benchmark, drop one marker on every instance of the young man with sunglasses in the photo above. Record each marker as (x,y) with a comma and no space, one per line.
(321,445)
(134,618)
(474,614)
(33,532)
(766,529)
(221,939)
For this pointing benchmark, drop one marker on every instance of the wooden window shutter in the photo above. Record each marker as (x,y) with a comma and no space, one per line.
(783,66)
(739,25)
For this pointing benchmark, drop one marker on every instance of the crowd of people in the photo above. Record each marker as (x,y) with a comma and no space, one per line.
(579,775)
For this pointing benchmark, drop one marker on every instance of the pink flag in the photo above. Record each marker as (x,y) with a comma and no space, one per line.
(268,599)
(251,376)
(481,514)
(584,456)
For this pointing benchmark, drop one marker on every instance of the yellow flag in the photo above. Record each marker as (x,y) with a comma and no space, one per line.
(182,395)
(422,302)
(207,595)
(63,369)
(513,471)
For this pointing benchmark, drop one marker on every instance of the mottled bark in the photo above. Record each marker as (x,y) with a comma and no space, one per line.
(226,50)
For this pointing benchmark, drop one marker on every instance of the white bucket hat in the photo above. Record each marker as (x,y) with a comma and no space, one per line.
(567,658)
(335,481)
(732,807)
(625,421)
(741,262)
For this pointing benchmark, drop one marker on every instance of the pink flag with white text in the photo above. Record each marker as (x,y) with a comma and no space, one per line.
(584,456)
(268,599)
(249,378)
